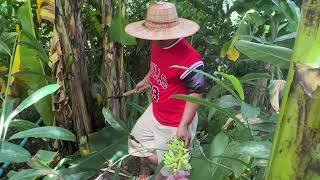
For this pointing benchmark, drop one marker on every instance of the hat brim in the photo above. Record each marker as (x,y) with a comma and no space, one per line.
(185,28)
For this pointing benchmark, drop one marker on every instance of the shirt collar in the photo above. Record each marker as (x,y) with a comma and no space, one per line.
(173,44)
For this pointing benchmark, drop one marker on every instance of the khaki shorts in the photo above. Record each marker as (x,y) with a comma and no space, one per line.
(153,136)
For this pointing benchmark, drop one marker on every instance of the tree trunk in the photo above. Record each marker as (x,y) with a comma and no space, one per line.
(71,36)
(296,147)
(113,63)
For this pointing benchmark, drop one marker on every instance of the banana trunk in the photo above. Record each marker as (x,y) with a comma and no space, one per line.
(296,148)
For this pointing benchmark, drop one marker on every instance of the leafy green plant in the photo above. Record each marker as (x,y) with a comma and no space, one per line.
(38,132)
(232,151)
(177,158)
(40,167)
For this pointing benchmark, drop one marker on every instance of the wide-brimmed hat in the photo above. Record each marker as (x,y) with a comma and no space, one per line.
(162,23)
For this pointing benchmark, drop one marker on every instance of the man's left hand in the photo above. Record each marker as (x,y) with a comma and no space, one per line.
(183,134)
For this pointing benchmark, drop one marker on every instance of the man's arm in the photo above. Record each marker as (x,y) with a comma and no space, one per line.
(143,84)
(190,111)
(195,83)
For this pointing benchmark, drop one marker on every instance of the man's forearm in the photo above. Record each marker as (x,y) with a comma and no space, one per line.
(190,111)
(147,77)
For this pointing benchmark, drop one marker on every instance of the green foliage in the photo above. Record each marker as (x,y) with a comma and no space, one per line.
(249,111)
(107,146)
(40,164)
(46,132)
(113,121)
(10,152)
(32,59)
(177,157)
(236,84)
(207,103)
(228,101)
(42,159)
(256,149)
(33,98)
(276,55)
(27,174)
(117,32)
(4,48)
(21,125)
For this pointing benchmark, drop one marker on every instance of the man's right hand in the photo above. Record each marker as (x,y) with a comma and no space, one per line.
(142,86)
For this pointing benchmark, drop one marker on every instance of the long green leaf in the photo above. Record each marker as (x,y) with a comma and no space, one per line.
(276,55)
(218,145)
(236,84)
(218,81)
(115,123)
(207,103)
(117,32)
(26,73)
(10,152)
(4,48)
(8,36)
(217,89)
(31,60)
(42,159)
(257,149)
(249,111)
(22,125)
(254,76)
(286,37)
(237,167)
(35,97)
(228,101)
(46,132)
(34,44)
(28,174)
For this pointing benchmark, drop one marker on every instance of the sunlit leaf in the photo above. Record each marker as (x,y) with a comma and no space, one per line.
(233,54)
(236,84)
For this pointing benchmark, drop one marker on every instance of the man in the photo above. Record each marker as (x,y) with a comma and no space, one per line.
(166,118)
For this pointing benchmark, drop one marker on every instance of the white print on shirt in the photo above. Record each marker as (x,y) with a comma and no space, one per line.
(155,93)
(161,79)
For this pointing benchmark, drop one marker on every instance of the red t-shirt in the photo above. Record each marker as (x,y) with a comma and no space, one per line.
(167,81)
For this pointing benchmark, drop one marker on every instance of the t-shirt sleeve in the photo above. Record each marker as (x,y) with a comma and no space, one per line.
(192,61)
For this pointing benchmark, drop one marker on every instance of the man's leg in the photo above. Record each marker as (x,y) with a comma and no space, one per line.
(143,142)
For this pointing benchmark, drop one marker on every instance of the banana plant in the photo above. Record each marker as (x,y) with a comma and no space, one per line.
(33,59)
(295,151)
(10,152)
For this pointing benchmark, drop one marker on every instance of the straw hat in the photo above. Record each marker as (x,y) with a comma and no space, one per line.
(162,23)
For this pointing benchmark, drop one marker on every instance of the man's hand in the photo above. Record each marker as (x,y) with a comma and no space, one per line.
(183,134)
(142,86)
